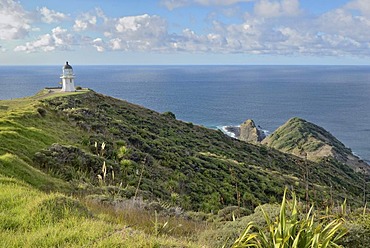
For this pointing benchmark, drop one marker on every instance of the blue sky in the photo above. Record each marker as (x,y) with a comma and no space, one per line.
(146,32)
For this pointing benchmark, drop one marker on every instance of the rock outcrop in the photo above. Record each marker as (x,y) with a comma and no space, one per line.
(250,133)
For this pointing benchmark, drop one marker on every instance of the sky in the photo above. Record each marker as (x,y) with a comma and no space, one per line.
(181,32)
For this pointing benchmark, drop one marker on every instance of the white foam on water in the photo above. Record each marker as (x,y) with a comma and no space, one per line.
(225,131)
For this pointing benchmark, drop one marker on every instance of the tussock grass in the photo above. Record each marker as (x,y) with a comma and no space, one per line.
(149,220)
(31,218)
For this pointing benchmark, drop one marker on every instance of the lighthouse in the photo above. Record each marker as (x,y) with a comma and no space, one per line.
(67,77)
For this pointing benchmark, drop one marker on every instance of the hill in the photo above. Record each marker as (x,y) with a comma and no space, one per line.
(305,139)
(178,162)
(101,150)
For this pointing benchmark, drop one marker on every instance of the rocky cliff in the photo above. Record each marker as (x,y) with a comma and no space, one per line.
(250,133)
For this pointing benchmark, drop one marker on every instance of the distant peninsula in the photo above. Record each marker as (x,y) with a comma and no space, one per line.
(300,138)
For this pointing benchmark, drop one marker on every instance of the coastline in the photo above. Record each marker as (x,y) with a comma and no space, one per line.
(234,131)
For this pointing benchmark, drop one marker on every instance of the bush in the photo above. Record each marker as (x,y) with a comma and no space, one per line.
(232,212)
(227,232)
(169,114)
(292,230)
(41,111)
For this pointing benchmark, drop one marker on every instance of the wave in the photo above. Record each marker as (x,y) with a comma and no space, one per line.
(233,131)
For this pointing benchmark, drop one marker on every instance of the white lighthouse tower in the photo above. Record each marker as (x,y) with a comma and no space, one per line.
(68,78)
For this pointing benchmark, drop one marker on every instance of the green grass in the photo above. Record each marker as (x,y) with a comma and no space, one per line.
(23,132)
(201,166)
(31,218)
(181,159)
(14,167)
(298,135)
(163,160)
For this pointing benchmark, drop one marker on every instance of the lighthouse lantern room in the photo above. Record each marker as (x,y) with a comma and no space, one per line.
(67,77)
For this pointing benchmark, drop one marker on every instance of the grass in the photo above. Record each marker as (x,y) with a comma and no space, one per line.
(297,135)
(149,221)
(23,132)
(190,161)
(181,159)
(164,160)
(31,218)
(13,167)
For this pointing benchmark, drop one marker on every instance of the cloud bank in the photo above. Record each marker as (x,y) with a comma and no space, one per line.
(274,27)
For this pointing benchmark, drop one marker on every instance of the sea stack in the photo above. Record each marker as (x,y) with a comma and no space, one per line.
(68,84)
(250,133)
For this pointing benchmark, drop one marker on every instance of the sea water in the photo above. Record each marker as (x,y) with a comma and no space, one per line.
(334,97)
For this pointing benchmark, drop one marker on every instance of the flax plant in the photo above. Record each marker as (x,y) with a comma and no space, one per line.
(293,230)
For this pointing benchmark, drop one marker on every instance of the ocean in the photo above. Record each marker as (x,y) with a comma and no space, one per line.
(334,97)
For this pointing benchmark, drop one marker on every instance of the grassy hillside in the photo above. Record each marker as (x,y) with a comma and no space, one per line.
(31,215)
(302,138)
(104,150)
(154,155)
(31,218)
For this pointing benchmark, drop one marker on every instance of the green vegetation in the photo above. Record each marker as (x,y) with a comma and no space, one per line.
(138,178)
(13,167)
(185,165)
(30,218)
(355,222)
(293,230)
(300,134)
(307,140)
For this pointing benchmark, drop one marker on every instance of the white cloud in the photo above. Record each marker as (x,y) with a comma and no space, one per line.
(362,6)
(145,24)
(344,23)
(270,9)
(273,27)
(58,39)
(219,2)
(143,32)
(50,16)
(43,43)
(99,44)
(173,4)
(115,44)
(84,22)
(14,20)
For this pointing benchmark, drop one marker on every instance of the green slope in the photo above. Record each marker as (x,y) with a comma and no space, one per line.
(31,215)
(179,163)
(30,218)
(302,138)
(176,162)
(89,145)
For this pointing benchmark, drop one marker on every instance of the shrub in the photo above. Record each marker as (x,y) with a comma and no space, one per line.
(169,114)
(41,111)
(292,231)
(232,212)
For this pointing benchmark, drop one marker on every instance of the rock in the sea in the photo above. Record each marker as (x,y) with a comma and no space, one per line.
(250,133)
